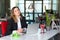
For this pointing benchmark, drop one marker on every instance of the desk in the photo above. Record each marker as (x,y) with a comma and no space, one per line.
(32,34)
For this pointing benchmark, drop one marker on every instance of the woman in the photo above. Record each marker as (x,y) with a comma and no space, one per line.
(16,22)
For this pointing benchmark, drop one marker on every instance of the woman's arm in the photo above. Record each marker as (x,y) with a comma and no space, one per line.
(25,24)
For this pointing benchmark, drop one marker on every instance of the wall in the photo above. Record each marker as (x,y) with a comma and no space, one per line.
(7,7)
(4,5)
(59,7)
(2,8)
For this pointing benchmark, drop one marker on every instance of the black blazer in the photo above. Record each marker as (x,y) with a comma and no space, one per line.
(13,26)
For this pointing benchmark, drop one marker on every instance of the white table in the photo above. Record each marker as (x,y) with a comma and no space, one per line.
(32,34)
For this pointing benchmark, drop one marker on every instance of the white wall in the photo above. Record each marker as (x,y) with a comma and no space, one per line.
(13,3)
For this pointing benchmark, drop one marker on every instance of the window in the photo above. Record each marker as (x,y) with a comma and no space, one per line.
(46,5)
(29,10)
(54,4)
(29,5)
(32,13)
(38,6)
(21,5)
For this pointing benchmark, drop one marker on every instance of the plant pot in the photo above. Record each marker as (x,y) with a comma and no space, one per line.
(48,28)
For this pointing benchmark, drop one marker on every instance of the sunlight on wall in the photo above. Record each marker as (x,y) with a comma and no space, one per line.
(13,3)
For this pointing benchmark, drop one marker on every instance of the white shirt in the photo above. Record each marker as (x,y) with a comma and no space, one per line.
(18,23)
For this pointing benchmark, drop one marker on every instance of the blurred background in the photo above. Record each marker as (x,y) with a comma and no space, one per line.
(31,9)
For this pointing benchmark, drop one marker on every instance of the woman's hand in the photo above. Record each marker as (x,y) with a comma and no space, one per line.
(20,30)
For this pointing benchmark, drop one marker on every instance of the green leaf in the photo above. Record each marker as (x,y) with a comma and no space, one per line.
(15,35)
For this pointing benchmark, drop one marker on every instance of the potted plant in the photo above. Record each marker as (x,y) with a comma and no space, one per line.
(48,21)
(53,22)
(49,18)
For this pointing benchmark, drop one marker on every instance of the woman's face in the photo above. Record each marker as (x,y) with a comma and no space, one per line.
(16,12)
